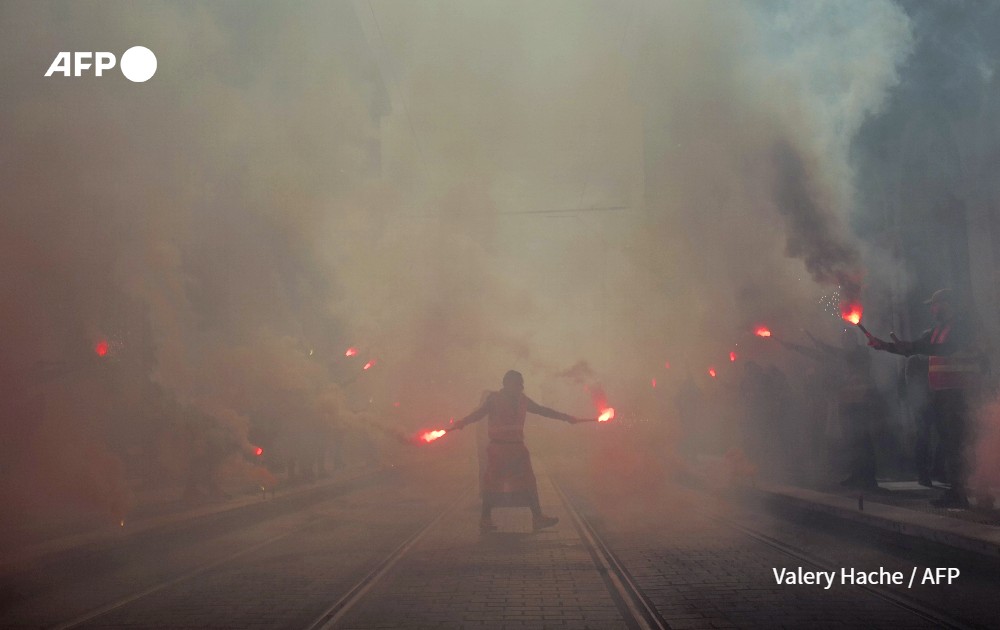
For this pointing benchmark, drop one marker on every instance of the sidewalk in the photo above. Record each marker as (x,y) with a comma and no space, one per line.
(899,507)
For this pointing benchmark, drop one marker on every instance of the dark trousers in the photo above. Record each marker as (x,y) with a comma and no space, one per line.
(949,409)
(928,466)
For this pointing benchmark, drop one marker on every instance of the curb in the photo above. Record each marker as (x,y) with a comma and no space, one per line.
(972,537)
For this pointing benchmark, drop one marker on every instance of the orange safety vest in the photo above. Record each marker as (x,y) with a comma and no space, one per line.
(960,371)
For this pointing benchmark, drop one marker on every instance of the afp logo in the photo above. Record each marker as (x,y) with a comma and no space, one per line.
(138,64)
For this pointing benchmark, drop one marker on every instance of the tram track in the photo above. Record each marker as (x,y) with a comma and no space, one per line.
(317,517)
(939,618)
(339,609)
(639,610)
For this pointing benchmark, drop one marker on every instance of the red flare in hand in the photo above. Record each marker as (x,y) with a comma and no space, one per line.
(430,436)
(851,312)
(762,331)
(351,352)
(607,414)
(369,364)
(101,348)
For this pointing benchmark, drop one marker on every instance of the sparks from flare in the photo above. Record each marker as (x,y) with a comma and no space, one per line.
(430,436)
(351,352)
(607,414)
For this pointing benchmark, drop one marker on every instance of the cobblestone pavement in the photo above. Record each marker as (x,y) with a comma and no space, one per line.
(700,572)
(315,554)
(512,578)
(696,569)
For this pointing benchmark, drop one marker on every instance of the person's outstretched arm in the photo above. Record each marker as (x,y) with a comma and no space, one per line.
(905,348)
(476,415)
(539,410)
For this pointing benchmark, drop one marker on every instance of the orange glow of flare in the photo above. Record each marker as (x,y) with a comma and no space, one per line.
(430,436)
(762,331)
(101,348)
(711,372)
(351,352)
(851,313)
(732,357)
(607,414)
(369,364)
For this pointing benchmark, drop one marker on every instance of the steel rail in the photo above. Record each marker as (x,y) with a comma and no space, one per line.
(937,617)
(633,603)
(192,573)
(332,615)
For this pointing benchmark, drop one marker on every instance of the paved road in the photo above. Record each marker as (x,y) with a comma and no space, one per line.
(697,563)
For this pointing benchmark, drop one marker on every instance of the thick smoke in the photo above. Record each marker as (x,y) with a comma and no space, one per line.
(454,188)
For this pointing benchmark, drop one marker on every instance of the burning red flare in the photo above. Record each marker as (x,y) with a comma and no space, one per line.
(762,331)
(430,436)
(607,414)
(351,352)
(667,365)
(258,451)
(851,313)
(732,357)
(711,372)
(369,364)
(654,383)
(101,348)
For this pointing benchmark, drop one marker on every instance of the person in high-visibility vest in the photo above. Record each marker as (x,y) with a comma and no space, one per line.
(508,477)
(955,367)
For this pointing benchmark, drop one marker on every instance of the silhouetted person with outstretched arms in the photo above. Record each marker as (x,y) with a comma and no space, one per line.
(508,478)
